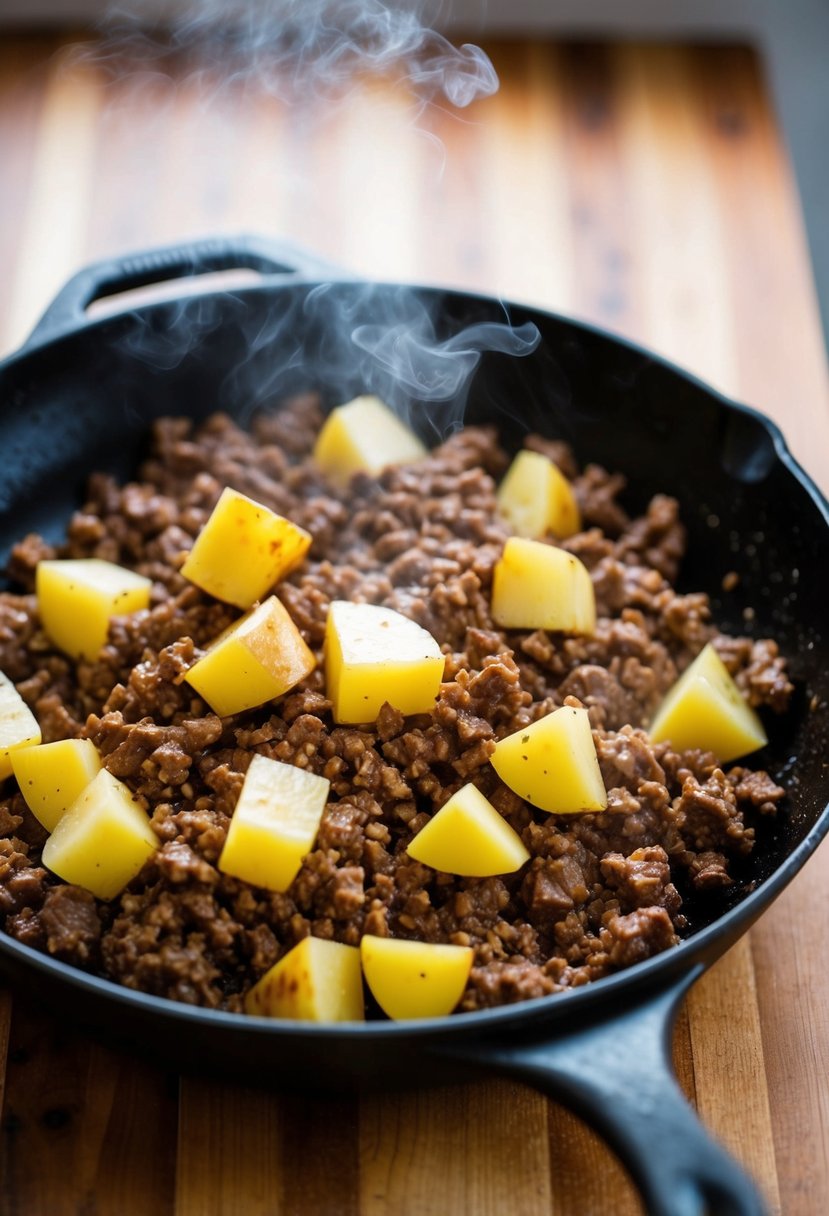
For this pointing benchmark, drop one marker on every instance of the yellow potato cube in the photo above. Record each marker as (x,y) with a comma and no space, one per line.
(536,498)
(260,657)
(274,824)
(243,549)
(553,763)
(537,586)
(467,836)
(77,598)
(53,775)
(103,840)
(414,979)
(19,727)
(373,655)
(317,981)
(706,709)
(364,436)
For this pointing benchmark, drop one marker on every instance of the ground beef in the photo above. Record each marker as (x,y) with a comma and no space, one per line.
(755,790)
(71,923)
(642,880)
(600,891)
(639,935)
(709,817)
(758,669)
(708,871)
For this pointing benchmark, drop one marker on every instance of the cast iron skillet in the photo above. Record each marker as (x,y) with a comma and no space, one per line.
(80,395)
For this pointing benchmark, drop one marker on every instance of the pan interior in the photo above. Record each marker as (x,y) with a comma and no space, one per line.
(85,402)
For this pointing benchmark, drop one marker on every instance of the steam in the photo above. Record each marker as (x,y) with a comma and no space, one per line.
(296,50)
(410,358)
(341,338)
(403,344)
(397,343)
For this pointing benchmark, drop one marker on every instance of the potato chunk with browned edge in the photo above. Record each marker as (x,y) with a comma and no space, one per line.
(364,435)
(706,709)
(243,549)
(553,763)
(414,979)
(274,824)
(260,657)
(467,836)
(537,586)
(317,981)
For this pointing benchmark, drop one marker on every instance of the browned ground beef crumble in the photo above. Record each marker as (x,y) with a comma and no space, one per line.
(600,891)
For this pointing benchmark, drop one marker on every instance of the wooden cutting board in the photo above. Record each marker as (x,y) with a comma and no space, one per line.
(642,187)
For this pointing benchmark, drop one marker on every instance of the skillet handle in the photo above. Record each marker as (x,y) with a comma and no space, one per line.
(618,1077)
(112,275)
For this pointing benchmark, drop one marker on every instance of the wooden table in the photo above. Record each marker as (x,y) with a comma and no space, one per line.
(642,187)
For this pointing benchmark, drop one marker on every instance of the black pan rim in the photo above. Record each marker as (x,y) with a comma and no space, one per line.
(53,338)
(50,338)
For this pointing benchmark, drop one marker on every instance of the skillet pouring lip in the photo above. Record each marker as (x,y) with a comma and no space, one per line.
(703,945)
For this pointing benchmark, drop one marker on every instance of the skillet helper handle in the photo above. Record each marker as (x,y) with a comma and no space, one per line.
(617,1075)
(264,255)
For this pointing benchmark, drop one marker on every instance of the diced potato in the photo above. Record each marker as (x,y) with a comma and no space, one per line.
(537,586)
(53,775)
(317,981)
(77,598)
(243,549)
(467,836)
(536,498)
(706,709)
(364,436)
(19,727)
(373,655)
(415,979)
(274,824)
(260,657)
(553,763)
(103,840)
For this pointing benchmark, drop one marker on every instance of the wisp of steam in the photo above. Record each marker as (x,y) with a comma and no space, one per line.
(296,50)
(341,339)
(392,341)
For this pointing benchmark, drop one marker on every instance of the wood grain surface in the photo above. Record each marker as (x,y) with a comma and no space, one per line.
(642,187)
